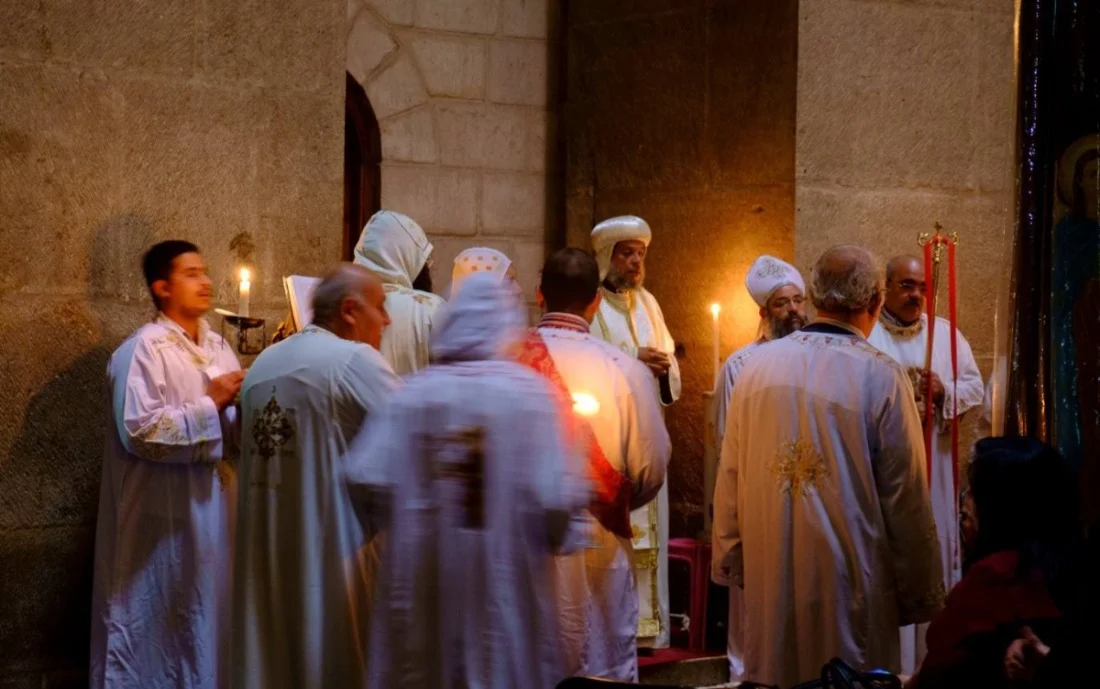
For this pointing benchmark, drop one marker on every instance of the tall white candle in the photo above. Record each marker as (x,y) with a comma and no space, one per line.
(245,293)
(715,309)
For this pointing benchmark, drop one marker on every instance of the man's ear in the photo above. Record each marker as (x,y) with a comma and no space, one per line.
(539,299)
(160,289)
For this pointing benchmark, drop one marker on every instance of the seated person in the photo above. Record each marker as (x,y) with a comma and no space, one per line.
(1024,510)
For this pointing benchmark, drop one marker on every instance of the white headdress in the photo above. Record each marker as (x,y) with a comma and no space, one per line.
(768,274)
(478,260)
(614,230)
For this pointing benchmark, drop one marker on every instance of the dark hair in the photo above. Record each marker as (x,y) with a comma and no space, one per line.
(570,280)
(1027,498)
(157,263)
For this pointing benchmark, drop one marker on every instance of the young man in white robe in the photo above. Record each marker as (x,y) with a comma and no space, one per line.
(303,573)
(164,535)
(396,249)
(467,472)
(630,318)
(902,332)
(821,508)
(779,290)
(618,422)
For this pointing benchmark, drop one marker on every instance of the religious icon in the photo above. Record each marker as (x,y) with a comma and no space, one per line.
(1075,294)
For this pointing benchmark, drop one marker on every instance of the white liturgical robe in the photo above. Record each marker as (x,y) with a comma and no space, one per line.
(631,320)
(161,591)
(598,600)
(467,473)
(735,630)
(821,508)
(304,568)
(908,347)
(394,247)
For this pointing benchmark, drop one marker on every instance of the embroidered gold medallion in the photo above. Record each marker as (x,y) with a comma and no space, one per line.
(272,429)
(798,467)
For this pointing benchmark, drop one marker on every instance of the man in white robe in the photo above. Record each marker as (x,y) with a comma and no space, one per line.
(627,451)
(304,567)
(821,510)
(467,472)
(395,248)
(779,290)
(630,318)
(161,590)
(902,332)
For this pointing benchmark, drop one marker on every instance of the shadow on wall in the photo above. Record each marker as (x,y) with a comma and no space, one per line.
(51,478)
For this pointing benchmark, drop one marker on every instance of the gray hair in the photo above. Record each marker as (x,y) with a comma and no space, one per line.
(846,279)
(347,280)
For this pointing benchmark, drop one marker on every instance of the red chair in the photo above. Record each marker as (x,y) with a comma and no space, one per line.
(696,555)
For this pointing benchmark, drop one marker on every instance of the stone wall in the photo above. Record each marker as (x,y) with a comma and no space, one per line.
(465,94)
(124,123)
(905,117)
(683,112)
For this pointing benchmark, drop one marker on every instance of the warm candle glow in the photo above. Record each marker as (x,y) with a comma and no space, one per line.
(245,275)
(714,309)
(585,404)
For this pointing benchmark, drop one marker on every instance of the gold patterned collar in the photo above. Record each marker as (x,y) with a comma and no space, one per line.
(892,325)
(201,353)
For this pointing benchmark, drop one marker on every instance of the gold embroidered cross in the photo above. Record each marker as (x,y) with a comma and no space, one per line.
(798,467)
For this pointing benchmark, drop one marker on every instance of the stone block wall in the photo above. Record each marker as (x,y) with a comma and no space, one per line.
(683,112)
(905,117)
(124,123)
(466,96)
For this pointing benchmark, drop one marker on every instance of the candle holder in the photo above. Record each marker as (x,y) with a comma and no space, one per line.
(243,325)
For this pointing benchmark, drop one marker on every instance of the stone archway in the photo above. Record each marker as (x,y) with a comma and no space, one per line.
(391,78)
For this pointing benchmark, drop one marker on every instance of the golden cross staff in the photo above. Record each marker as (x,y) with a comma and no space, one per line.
(938,242)
(934,244)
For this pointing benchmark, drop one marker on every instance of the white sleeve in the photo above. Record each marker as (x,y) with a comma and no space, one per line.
(648,447)
(152,429)
(726,564)
(898,464)
(970,389)
(364,386)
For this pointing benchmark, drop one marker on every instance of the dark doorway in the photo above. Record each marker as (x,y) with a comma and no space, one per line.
(362,155)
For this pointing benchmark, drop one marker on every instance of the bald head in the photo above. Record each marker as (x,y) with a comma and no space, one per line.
(846,285)
(905,262)
(905,287)
(350,302)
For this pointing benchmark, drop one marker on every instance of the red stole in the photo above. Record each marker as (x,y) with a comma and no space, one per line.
(611,503)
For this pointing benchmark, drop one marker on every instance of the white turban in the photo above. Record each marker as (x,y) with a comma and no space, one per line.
(614,230)
(767,275)
(478,260)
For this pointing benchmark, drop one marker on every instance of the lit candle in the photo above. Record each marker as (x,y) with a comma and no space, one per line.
(715,309)
(246,292)
(585,404)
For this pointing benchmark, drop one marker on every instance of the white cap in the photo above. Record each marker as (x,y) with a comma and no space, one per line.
(767,275)
(614,230)
(476,260)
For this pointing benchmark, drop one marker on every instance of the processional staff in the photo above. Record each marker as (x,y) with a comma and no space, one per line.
(934,244)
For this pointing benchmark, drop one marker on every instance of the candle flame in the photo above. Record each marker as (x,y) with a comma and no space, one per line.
(245,275)
(714,309)
(585,404)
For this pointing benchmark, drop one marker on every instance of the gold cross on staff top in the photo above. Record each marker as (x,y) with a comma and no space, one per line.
(938,240)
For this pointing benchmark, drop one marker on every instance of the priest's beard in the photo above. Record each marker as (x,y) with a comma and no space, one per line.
(621,283)
(775,328)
